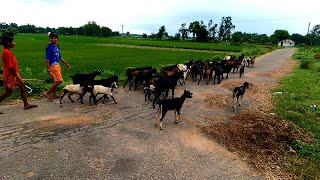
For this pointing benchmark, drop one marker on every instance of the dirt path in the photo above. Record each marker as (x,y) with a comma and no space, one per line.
(119,141)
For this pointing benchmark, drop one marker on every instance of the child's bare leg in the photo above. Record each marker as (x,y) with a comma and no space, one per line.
(53,89)
(6,94)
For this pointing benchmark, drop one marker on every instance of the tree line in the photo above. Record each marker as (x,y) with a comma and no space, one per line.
(89,29)
(195,31)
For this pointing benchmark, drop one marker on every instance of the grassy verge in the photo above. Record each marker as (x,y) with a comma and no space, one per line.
(300,91)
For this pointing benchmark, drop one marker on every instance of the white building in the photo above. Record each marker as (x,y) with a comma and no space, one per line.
(286,43)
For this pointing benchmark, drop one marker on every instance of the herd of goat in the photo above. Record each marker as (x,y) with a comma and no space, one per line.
(159,83)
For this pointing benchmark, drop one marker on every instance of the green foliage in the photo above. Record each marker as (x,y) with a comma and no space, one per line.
(162,32)
(280,35)
(226,28)
(301,89)
(306,64)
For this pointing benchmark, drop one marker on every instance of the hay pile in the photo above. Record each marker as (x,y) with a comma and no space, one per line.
(258,137)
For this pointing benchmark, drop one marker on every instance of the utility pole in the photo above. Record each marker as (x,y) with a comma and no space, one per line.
(305,44)
(122,30)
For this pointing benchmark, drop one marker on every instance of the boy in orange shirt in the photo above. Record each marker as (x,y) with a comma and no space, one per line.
(11,77)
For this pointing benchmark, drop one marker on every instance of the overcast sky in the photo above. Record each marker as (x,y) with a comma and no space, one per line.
(146,16)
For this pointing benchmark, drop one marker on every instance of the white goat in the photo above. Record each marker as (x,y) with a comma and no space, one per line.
(99,89)
(71,89)
(182,67)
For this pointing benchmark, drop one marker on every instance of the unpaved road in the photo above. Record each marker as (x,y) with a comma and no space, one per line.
(120,141)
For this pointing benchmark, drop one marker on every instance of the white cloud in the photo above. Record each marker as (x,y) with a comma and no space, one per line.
(147,16)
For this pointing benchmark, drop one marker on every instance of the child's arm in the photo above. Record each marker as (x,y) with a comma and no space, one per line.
(66,63)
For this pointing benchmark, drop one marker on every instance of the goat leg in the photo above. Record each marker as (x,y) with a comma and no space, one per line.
(62,98)
(114,100)
(69,96)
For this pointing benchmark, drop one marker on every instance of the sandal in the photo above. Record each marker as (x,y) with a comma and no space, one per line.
(45,95)
(30,106)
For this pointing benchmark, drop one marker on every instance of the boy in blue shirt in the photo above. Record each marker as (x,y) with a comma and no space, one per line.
(53,57)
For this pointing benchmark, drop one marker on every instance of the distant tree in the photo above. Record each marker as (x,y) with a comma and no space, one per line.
(91,29)
(162,32)
(62,31)
(115,33)
(177,36)
(184,31)
(298,38)
(316,30)
(237,37)
(14,25)
(314,37)
(199,31)
(27,28)
(279,35)
(127,33)
(4,25)
(226,28)
(144,35)
(153,36)
(105,32)
(212,30)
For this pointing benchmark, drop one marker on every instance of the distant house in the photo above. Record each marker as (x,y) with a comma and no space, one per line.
(286,43)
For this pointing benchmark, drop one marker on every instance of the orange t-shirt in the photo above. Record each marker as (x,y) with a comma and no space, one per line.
(9,60)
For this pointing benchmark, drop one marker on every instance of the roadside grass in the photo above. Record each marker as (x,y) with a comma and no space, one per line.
(301,90)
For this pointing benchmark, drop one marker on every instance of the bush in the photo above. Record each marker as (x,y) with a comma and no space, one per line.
(306,64)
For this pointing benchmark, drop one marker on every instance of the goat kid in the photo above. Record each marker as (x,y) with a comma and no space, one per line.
(238,93)
(99,89)
(71,89)
(172,104)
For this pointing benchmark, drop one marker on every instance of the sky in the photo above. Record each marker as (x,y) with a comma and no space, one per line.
(147,16)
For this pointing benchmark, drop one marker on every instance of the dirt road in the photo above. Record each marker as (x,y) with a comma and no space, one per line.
(120,141)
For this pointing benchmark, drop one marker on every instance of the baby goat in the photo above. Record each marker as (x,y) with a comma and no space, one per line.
(99,89)
(71,89)
(172,104)
(150,89)
(238,93)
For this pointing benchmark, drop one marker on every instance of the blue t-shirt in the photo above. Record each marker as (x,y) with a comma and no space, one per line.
(53,54)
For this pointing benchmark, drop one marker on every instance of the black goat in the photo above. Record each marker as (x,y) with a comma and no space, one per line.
(87,81)
(107,82)
(143,76)
(131,74)
(238,93)
(218,73)
(242,70)
(172,104)
(163,84)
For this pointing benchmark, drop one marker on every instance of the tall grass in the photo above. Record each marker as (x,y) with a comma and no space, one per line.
(301,89)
